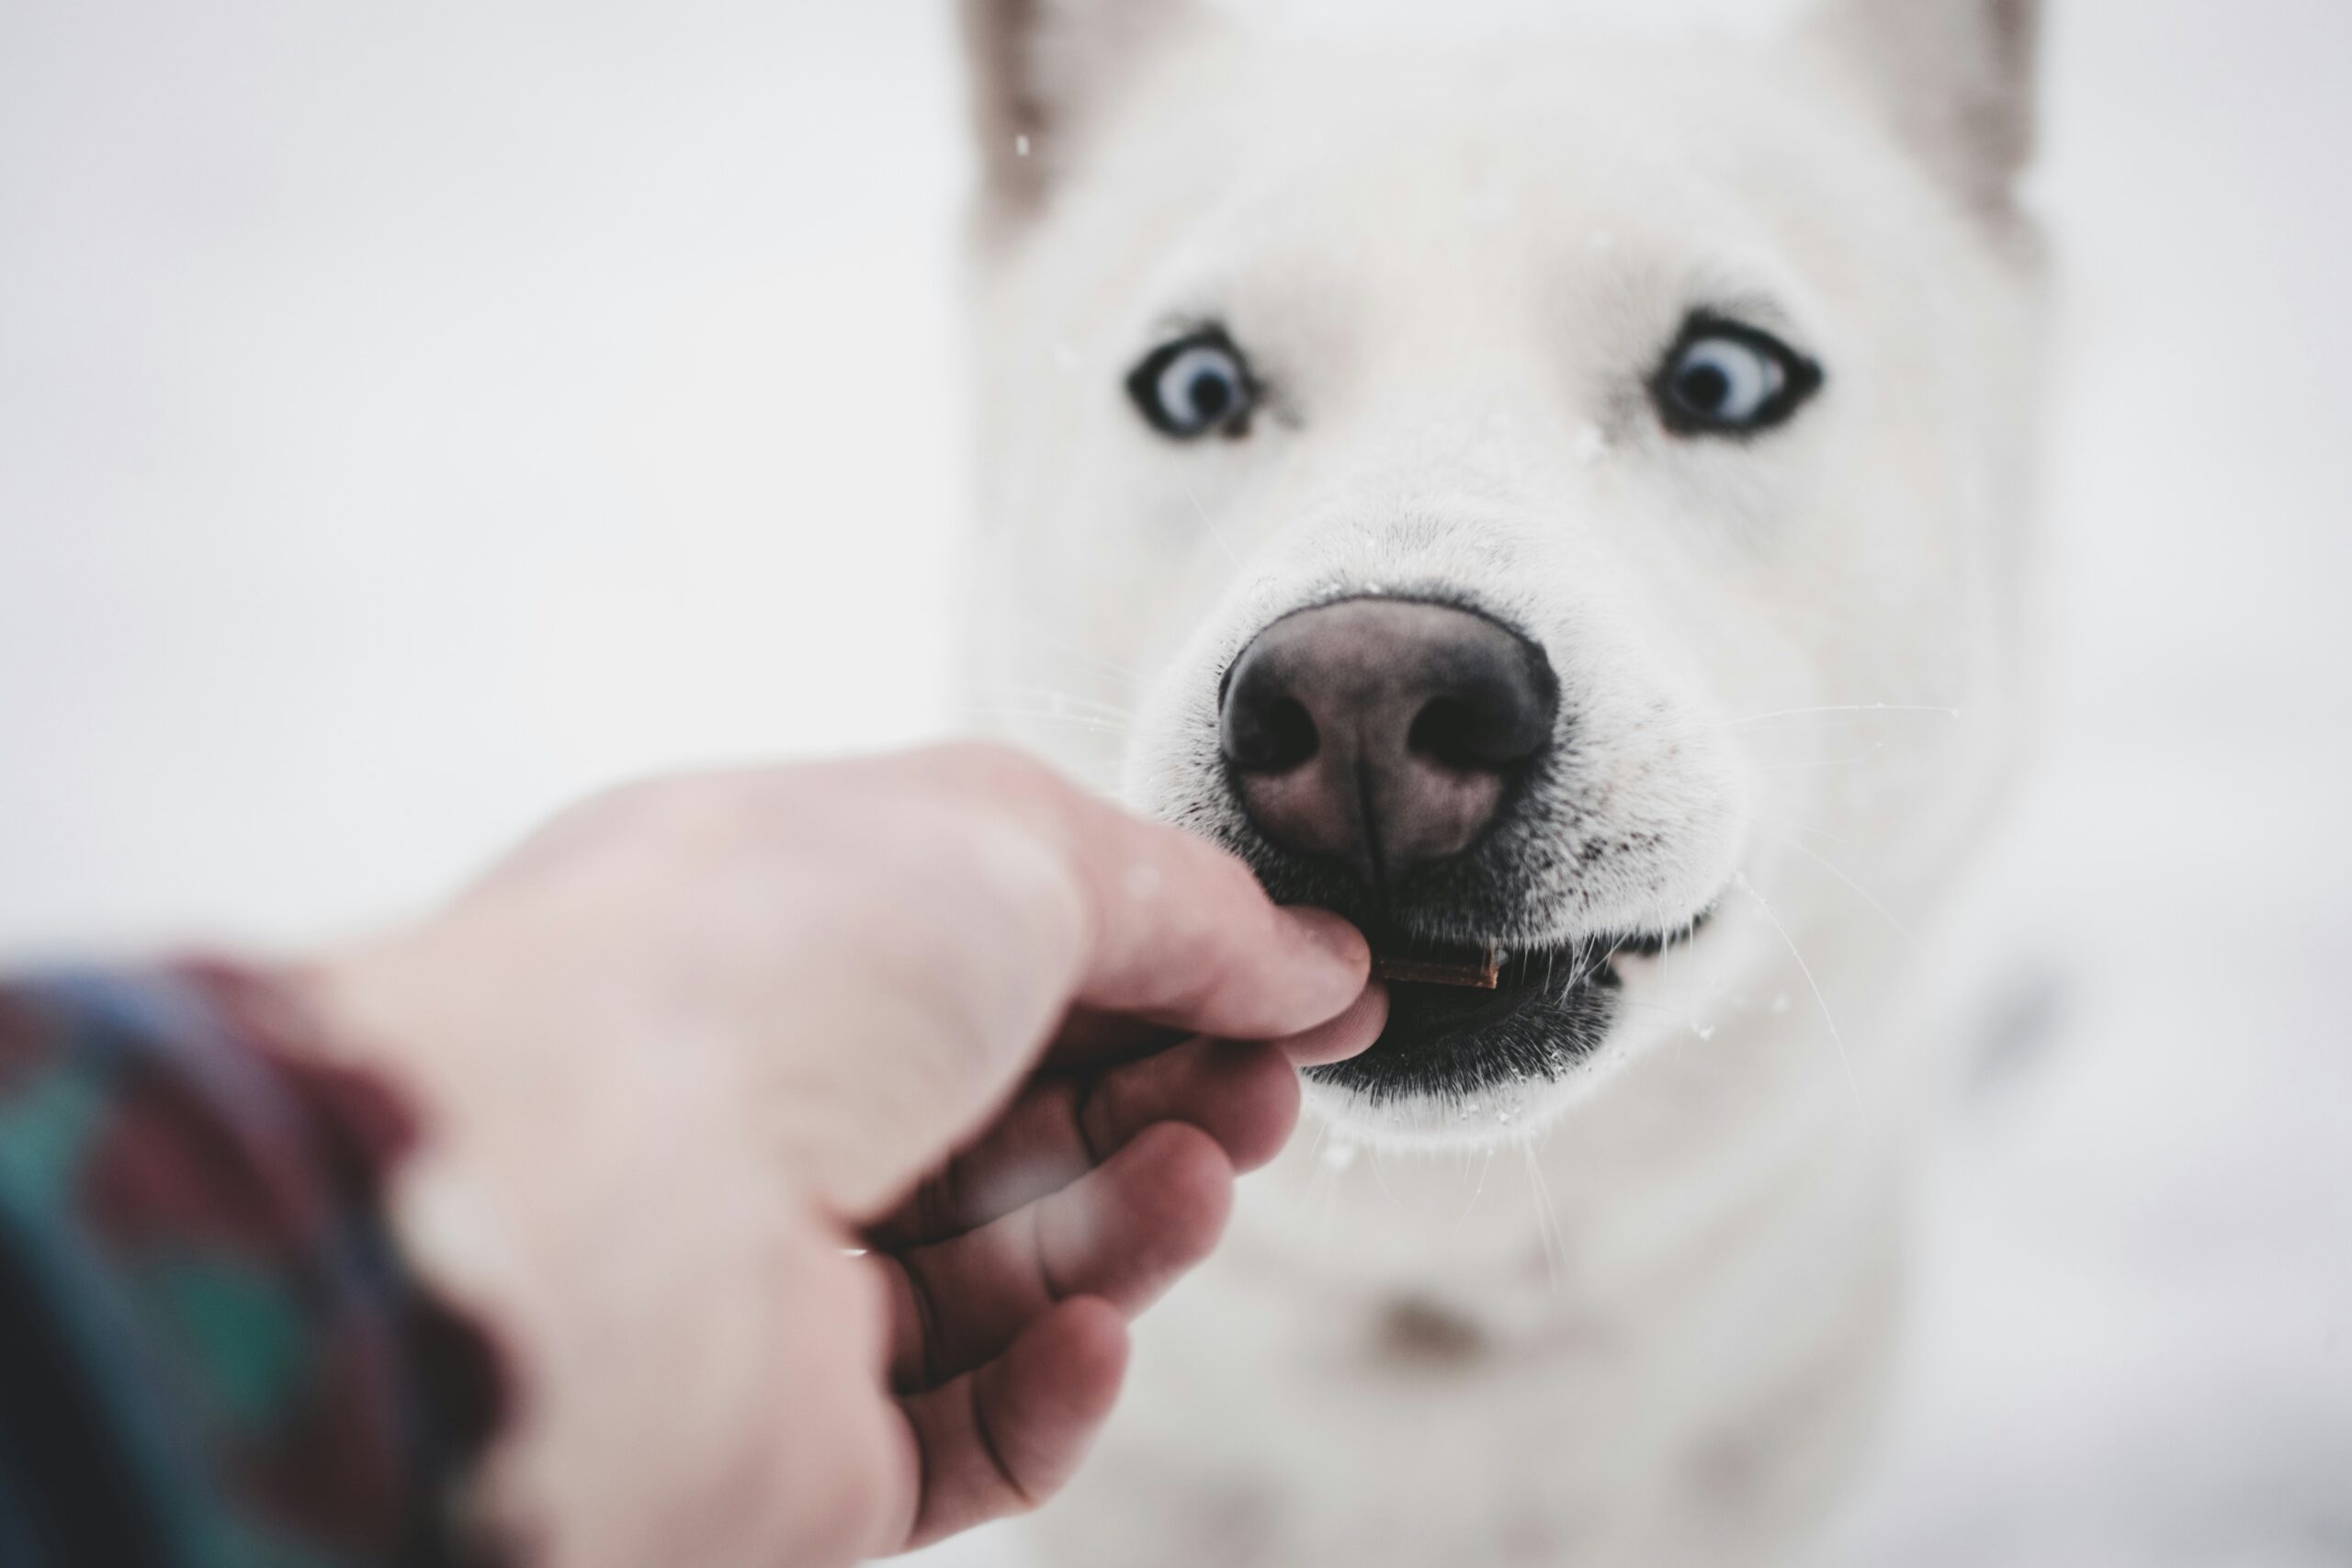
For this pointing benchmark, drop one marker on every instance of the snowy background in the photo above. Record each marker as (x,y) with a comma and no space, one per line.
(412,416)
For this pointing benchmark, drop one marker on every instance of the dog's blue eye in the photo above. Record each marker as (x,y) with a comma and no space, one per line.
(1196,384)
(1723,379)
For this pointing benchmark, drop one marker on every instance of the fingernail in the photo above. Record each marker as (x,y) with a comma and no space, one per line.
(1334,936)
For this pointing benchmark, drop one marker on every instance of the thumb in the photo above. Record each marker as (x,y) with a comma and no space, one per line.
(916,1015)
(1046,900)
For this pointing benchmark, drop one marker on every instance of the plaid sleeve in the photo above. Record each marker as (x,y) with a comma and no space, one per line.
(210,1353)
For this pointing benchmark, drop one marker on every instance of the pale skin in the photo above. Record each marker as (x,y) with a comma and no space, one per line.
(809,1137)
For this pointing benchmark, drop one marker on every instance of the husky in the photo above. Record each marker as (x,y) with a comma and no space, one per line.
(1563,497)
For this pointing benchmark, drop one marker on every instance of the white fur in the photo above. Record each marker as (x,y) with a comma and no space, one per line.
(1633,1316)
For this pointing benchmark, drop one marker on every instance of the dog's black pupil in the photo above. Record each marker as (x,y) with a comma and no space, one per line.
(1705,387)
(1210,395)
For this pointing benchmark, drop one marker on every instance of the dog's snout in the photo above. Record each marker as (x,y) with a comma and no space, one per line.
(1383,733)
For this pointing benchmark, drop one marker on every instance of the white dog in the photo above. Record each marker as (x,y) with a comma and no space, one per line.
(1567,497)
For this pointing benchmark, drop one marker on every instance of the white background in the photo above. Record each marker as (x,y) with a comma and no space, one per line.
(413,415)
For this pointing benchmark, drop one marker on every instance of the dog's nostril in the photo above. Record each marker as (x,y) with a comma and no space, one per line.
(1273,736)
(1490,730)
(1446,733)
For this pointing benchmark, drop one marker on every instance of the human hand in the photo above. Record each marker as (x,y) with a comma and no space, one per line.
(700,1037)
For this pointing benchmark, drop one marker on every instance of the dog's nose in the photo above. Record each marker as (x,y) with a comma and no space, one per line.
(1381,733)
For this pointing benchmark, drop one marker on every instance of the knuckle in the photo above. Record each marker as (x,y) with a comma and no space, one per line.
(677,809)
(622,808)
(983,922)
(1023,882)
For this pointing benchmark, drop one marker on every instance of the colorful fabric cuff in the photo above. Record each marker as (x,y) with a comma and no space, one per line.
(211,1352)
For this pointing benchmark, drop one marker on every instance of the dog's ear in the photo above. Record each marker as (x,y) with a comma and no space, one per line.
(1954,77)
(1039,67)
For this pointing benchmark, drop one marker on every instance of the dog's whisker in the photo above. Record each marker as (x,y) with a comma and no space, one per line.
(1125,674)
(1322,1178)
(1547,1218)
(1055,700)
(1874,709)
(1075,720)
(1701,727)
(1477,1192)
(1777,767)
(1210,523)
(1331,1210)
(1049,689)
(1852,1086)
(1859,891)
(1822,833)
(1827,715)
(1684,1019)
(1605,958)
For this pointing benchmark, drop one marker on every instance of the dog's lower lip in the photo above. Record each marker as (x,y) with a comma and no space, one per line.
(1455,1041)
(1550,1008)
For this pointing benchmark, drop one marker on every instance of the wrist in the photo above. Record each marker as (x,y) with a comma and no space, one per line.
(594,1189)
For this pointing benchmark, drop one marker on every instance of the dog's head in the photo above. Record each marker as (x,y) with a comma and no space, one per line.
(1452,476)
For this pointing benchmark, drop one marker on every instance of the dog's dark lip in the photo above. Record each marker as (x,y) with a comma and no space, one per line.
(1551,1009)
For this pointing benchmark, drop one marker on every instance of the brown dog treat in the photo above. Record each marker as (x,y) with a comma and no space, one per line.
(1470,968)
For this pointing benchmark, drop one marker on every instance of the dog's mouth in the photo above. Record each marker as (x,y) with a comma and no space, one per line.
(1452,1036)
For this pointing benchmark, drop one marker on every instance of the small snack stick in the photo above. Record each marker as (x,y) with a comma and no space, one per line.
(1468,968)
